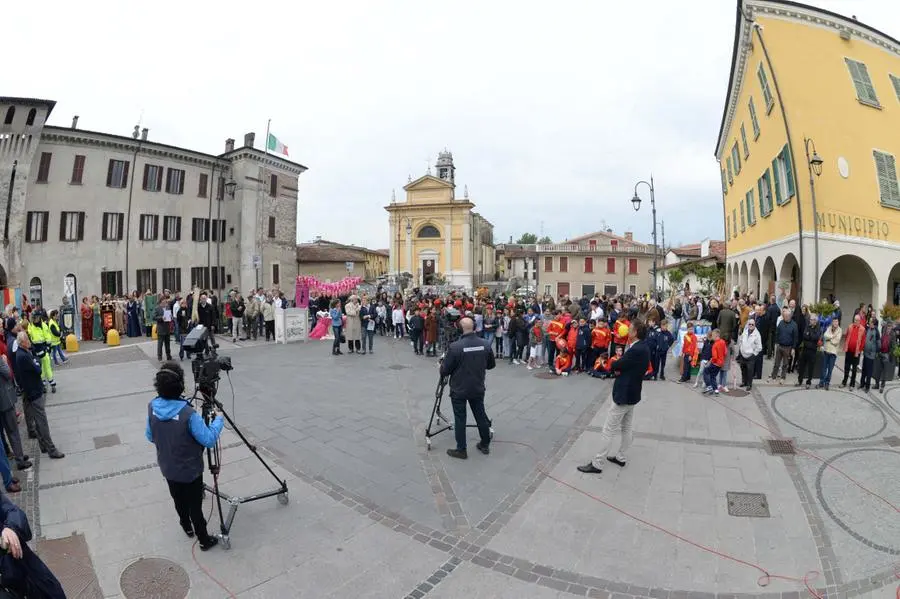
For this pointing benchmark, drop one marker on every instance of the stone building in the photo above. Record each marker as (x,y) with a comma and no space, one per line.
(685,258)
(330,261)
(90,212)
(435,235)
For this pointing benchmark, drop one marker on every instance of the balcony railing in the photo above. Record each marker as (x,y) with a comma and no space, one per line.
(552,248)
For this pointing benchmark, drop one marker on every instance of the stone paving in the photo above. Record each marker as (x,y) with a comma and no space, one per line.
(372,513)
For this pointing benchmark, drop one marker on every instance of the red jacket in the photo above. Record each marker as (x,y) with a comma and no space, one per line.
(620,339)
(689,346)
(572,337)
(719,349)
(599,338)
(856,338)
(563,362)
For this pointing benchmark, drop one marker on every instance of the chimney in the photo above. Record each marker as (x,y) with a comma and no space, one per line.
(75,122)
(229,145)
(249,138)
(144,132)
(136,132)
(629,235)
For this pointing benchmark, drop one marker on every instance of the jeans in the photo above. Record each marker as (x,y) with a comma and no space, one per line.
(806,365)
(11,427)
(851,363)
(686,368)
(748,366)
(498,342)
(163,341)
(370,337)
(36,412)
(398,330)
(418,339)
(618,421)
(489,337)
(782,357)
(865,379)
(236,327)
(459,421)
(188,498)
(827,368)
(55,351)
(550,351)
(513,349)
(710,375)
(336,347)
(5,471)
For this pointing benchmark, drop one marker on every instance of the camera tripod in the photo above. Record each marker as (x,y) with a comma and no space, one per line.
(438,420)
(207,393)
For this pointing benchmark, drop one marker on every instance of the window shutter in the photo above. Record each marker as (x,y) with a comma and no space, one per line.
(743,219)
(886,169)
(81,226)
(103,235)
(45,226)
(763,209)
(118,290)
(206,230)
(790,190)
(124,185)
(159,179)
(146,177)
(29,218)
(178,229)
(109,172)
(119,234)
(62,226)
(155,227)
(181,184)
(724,183)
(779,199)
(271,226)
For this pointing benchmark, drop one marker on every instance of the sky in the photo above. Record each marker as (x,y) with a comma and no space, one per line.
(553,110)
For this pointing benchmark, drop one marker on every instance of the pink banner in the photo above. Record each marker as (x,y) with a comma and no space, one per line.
(342,287)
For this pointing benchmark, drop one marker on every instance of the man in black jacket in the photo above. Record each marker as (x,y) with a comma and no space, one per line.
(626,394)
(772,314)
(28,373)
(466,362)
(21,571)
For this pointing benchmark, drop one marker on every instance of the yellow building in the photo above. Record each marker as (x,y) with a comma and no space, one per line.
(330,261)
(807,154)
(435,236)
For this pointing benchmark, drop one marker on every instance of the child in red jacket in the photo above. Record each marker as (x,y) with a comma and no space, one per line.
(716,363)
(564,363)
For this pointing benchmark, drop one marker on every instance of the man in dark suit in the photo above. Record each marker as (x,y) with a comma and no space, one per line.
(626,394)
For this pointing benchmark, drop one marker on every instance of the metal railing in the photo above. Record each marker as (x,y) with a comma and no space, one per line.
(593,248)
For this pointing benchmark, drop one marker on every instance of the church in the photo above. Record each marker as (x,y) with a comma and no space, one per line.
(437,238)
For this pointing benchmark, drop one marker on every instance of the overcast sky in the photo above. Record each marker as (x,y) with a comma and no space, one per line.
(553,110)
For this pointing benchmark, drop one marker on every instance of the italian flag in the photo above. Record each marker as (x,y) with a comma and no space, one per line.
(274,145)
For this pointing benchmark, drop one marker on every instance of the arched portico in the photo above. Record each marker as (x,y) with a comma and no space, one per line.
(850,279)
(743,278)
(753,282)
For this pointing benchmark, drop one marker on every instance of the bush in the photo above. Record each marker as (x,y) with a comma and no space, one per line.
(822,309)
(890,312)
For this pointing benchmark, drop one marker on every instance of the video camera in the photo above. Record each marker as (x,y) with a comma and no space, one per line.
(206,364)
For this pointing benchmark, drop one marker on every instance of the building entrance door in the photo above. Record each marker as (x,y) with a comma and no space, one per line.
(562,289)
(427,271)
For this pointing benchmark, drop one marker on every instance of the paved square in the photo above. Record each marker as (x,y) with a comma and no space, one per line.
(373,513)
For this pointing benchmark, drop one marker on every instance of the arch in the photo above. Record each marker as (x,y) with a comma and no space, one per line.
(743,282)
(36,292)
(10,115)
(31,114)
(768,279)
(788,278)
(428,232)
(754,279)
(3,281)
(851,280)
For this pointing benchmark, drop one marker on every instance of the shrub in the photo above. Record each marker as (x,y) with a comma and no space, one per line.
(822,309)
(890,312)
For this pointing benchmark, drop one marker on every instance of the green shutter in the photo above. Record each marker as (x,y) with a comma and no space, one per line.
(790,189)
(730,171)
(764,84)
(734,221)
(896,81)
(865,91)
(743,220)
(754,120)
(724,183)
(751,208)
(727,228)
(886,168)
(744,138)
(768,180)
(779,200)
(736,158)
(763,210)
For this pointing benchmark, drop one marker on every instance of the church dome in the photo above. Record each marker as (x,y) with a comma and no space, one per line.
(445,157)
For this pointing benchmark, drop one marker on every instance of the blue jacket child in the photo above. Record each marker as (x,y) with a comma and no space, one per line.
(664,341)
(583,339)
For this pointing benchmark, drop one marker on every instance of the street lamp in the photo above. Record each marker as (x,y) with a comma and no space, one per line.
(408,227)
(636,204)
(814,163)
(230,187)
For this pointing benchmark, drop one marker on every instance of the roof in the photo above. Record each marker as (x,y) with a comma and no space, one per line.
(320,241)
(718,259)
(29,102)
(314,252)
(839,19)
(716,248)
(603,234)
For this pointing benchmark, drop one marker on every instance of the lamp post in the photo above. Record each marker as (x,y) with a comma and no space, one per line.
(636,203)
(814,163)
(230,186)
(408,242)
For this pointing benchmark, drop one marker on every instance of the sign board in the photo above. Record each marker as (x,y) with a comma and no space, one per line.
(349,266)
(291,325)
(68,286)
(257,261)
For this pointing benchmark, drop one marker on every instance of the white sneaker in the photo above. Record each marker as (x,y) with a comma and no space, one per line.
(724,389)
(516,362)
(565,374)
(530,367)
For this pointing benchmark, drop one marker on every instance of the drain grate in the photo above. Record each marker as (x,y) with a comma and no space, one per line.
(892,441)
(737,393)
(397,366)
(747,505)
(154,577)
(781,446)
(545,375)
(106,441)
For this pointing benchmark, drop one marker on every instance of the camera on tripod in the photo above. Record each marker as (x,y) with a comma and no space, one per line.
(206,363)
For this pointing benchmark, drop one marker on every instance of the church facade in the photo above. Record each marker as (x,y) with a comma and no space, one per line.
(437,238)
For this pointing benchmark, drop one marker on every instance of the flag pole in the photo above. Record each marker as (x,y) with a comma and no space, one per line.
(266,144)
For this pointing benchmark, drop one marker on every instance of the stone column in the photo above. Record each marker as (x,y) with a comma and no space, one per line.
(448,249)
(467,248)
(409,256)
(392,254)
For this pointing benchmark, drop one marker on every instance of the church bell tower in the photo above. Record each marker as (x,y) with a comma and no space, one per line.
(445,168)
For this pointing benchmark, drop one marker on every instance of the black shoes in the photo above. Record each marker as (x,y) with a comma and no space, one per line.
(589,468)
(24,465)
(210,543)
(616,461)
(457,453)
(56,455)
(188,530)
(485,449)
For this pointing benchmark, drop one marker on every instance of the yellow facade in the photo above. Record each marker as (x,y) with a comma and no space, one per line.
(803,53)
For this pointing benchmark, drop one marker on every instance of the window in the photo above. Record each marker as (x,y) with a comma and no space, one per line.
(201,186)
(171,232)
(563,264)
(153,175)
(146,279)
(743,219)
(149,230)
(632,266)
(426,232)
(736,158)
(31,115)
(272,229)
(548,264)
(751,208)
(218,277)
(111,229)
(727,228)
(766,92)
(117,174)
(508,264)
(10,115)
(588,264)
(171,279)
(783,172)
(610,265)
(276,275)
(865,91)
(753,120)
(200,230)
(886,169)
(744,142)
(592,244)
(896,81)
(273,186)
(44,168)
(200,277)
(613,244)
(111,282)
(734,222)
(71,226)
(730,171)
(587,290)
(724,182)
(220,192)
(77,170)
(36,226)
(764,186)
(218,232)
(175,181)
(609,290)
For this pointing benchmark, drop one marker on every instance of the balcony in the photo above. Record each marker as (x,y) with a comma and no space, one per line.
(584,248)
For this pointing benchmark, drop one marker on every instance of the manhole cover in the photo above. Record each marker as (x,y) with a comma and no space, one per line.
(106,441)
(545,375)
(737,393)
(154,577)
(747,505)
(892,441)
(396,366)
(781,446)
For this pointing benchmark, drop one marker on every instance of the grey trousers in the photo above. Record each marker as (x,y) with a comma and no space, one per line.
(34,409)
(11,426)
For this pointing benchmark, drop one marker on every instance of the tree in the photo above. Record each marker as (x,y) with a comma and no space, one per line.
(545,239)
(527,239)
(676,277)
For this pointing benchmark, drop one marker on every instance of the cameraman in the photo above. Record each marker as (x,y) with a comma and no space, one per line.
(180,434)
(465,363)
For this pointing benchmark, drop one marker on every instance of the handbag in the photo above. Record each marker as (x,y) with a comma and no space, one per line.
(343,338)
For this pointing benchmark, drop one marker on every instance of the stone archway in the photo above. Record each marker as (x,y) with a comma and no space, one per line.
(788,279)
(3,281)
(851,280)
(754,279)
(769,277)
(743,283)
(892,295)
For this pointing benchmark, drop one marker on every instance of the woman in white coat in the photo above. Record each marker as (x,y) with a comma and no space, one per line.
(353,328)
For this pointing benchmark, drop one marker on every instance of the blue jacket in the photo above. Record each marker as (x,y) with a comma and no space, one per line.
(787,334)
(653,340)
(336,317)
(664,340)
(167,409)
(583,340)
(28,374)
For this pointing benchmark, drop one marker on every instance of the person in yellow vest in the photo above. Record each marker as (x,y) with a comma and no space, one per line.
(40,344)
(55,332)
